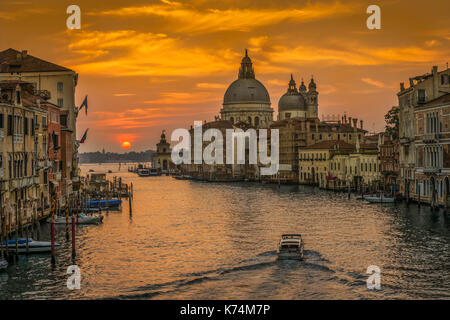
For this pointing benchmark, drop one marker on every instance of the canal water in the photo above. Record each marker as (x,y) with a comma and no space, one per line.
(200,240)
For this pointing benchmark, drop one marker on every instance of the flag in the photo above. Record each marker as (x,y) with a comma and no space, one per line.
(84,136)
(84,104)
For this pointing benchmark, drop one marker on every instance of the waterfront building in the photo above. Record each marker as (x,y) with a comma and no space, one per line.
(298,103)
(358,169)
(20,181)
(247,99)
(53,145)
(423,89)
(432,149)
(162,159)
(315,165)
(59,81)
(388,160)
(298,133)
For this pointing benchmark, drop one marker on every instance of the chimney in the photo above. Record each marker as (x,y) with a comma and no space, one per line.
(411,82)
(434,70)
(350,121)
(361,123)
(402,86)
(24,54)
(355,123)
(19,57)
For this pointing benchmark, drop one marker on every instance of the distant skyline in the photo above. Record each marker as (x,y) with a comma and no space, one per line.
(153,65)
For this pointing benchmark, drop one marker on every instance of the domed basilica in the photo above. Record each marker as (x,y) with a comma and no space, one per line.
(247,100)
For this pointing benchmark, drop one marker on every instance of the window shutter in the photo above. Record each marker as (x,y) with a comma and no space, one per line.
(10,125)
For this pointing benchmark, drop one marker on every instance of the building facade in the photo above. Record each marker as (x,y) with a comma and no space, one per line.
(422,90)
(432,144)
(58,81)
(162,158)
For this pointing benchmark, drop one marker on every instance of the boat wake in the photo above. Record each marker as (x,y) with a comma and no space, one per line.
(312,259)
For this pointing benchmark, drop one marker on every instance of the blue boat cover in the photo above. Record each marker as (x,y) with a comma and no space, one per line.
(19,241)
(102,203)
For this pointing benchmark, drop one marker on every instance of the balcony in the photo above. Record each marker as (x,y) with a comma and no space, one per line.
(430,138)
(405,140)
(431,170)
(18,138)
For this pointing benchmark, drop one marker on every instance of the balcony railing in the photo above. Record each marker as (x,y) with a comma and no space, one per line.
(18,138)
(405,140)
(431,170)
(430,138)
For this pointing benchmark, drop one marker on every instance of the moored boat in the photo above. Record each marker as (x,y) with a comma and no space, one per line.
(82,219)
(379,199)
(148,172)
(111,203)
(290,247)
(33,246)
(3,264)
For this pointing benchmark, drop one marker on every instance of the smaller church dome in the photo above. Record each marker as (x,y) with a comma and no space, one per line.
(292,99)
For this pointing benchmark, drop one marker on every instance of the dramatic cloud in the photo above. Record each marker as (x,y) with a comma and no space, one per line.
(153,65)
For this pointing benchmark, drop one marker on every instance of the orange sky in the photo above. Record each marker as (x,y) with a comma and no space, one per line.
(153,65)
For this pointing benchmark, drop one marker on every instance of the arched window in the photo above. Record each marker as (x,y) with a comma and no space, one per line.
(256,121)
(250,120)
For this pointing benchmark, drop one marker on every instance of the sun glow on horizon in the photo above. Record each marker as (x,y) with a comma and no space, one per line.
(126,145)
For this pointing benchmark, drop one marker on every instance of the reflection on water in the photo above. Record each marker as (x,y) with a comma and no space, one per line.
(194,240)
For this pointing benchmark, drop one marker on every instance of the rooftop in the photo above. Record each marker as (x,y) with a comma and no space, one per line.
(332,144)
(12,60)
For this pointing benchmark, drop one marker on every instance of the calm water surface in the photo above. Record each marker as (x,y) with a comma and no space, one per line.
(195,240)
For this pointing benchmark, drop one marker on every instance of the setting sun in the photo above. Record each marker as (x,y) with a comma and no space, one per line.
(126,145)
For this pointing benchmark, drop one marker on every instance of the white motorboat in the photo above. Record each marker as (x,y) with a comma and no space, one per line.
(3,264)
(379,199)
(290,247)
(150,172)
(33,246)
(82,219)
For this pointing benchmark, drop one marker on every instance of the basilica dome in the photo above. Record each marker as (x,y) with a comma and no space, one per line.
(246,89)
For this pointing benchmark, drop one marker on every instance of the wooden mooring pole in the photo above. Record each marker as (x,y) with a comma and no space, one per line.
(129,204)
(73,229)
(52,230)
(67,219)
(2,233)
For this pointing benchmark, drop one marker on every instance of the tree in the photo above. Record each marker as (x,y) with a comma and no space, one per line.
(392,122)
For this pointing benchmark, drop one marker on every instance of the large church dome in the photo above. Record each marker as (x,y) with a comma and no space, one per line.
(246,89)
